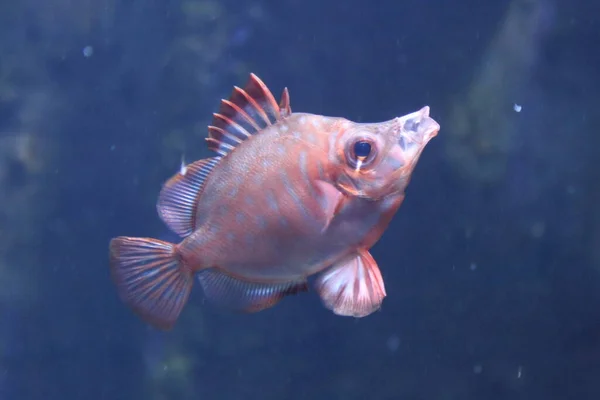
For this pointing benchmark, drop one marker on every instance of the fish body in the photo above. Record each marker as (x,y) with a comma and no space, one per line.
(289,195)
(272,190)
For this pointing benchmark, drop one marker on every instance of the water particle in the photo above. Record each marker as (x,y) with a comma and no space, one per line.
(88,51)
(393,343)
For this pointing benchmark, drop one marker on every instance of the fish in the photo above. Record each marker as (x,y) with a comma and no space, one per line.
(286,197)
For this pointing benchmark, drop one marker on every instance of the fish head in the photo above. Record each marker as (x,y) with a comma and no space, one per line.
(374,160)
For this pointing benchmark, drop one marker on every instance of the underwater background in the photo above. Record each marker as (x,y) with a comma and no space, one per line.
(492,264)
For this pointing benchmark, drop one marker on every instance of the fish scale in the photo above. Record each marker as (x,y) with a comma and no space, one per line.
(287,195)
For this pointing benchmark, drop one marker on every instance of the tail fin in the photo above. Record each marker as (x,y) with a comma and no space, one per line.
(150,278)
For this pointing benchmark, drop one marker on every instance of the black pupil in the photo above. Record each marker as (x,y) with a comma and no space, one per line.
(362,149)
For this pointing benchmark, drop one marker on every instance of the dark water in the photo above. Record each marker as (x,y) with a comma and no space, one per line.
(493,284)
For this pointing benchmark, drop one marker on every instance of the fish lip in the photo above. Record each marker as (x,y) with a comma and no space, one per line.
(414,133)
(418,126)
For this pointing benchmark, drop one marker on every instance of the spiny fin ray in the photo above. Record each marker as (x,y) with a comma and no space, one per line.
(284,105)
(247,112)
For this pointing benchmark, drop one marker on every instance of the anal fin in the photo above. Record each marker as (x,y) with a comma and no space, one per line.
(244,296)
(178,198)
(353,286)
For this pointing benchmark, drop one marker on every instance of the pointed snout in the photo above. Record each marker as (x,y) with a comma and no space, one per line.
(419,126)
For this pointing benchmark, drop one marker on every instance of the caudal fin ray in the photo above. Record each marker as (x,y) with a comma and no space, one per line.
(150,278)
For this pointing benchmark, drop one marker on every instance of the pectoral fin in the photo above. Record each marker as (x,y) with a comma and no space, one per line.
(331,201)
(352,287)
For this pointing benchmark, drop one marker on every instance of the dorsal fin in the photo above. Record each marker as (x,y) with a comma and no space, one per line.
(178,199)
(284,104)
(248,111)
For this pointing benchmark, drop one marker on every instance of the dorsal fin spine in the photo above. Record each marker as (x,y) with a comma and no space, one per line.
(213,131)
(267,94)
(218,146)
(254,104)
(247,112)
(243,113)
(234,124)
(220,131)
(284,104)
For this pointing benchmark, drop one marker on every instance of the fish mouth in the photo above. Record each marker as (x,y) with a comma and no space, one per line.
(419,127)
(415,131)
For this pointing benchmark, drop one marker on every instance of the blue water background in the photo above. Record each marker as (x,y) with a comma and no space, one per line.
(493,287)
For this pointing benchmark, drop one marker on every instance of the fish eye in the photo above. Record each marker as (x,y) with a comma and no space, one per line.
(361,153)
(362,149)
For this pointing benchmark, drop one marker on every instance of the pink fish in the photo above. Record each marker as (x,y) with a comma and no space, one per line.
(288,196)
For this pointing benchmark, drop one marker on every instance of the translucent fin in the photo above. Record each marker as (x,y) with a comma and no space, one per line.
(150,279)
(244,296)
(178,199)
(352,287)
(247,112)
